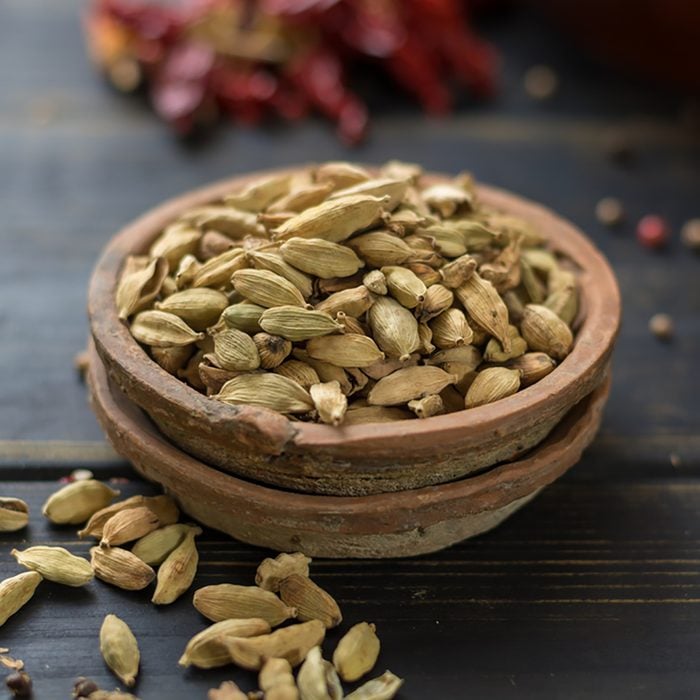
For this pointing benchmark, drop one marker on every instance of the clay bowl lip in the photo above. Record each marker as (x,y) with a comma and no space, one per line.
(593,343)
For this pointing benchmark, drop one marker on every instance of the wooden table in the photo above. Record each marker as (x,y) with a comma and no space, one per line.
(593,590)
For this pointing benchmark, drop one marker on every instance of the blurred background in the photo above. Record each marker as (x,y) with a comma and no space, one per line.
(109,107)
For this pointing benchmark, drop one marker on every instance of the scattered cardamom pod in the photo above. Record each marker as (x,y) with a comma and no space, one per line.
(55,564)
(277,681)
(317,678)
(357,652)
(224,601)
(177,572)
(76,502)
(228,690)
(119,649)
(310,600)
(153,548)
(491,385)
(163,506)
(16,591)
(121,568)
(271,572)
(128,525)
(383,688)
(207,648)
(14,514)
(291,643)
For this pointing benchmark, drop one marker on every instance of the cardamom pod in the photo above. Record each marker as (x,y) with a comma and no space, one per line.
(542,261)
(446,199)
(172,360)
(176,241)
(464,354)
(217,271)
(450,329)
(128,525)
(403,221)
(317,678)
(300,372)
(227,220)
(207,649)
(491,385)
(383,367)
(243,316)
(357,652)
(404,286)
(268,390)
(329,401)
(394,328)
(446,239)
(292,643)
(513,226)
(177,572)
(121,568)
(336,284)
(380,248)
(297,324)
(235,350)
(14,514)
(15,593)
(383,688)
(345,350)
(260,193)
(493,352)
(325,371)
(457,272)
(321,258)
(271,572)
(531,283)
(375,414)
(483,303)
(504,271)
(375,282)
(334,220)
(272,349)
(543,330)
(78,501)
(392,188)
(199,307)
(274,262)
(224,601)
(478,236)
(402,171)
(564,303)
(55,564)
(153,548)
(353,302)
(162,330)
(351,325)
(303,198)
(533,366)
(425,333)
(341,174)
(409,383)
(437,299)
(515,306)
(310,600)
(211,245)
(430,405)
(163,506)
(119,649)
(277,681)
(138,287)
(267,288)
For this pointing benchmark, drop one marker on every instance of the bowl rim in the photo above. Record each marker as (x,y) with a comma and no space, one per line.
(593,343)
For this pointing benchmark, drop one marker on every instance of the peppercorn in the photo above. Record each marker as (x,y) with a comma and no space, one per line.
(653,231)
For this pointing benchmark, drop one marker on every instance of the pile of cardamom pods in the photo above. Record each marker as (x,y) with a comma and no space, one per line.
(243,616)
(344,296)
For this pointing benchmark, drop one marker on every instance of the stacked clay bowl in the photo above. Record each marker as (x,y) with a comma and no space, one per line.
(371,490)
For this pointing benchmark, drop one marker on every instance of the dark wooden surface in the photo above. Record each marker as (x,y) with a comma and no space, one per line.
(592,591)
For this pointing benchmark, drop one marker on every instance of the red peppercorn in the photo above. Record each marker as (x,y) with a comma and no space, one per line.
(653,231)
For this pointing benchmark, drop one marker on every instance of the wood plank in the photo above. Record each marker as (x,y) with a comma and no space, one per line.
(592,590)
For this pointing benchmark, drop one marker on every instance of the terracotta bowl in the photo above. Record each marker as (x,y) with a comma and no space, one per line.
(378,526)
(260,444)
